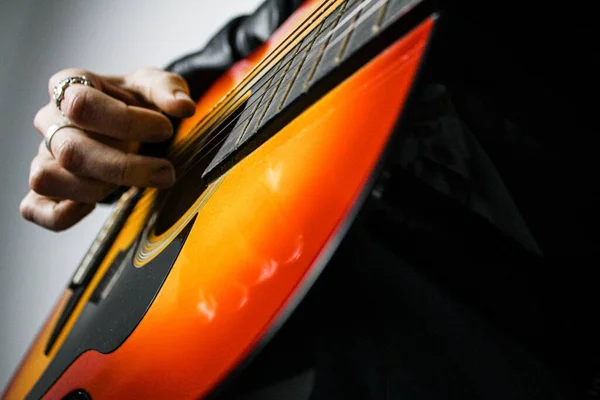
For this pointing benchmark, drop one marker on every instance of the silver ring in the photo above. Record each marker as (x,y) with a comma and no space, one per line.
(52,131)
(59,89)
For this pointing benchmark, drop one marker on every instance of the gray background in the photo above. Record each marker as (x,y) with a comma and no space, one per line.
(38,38)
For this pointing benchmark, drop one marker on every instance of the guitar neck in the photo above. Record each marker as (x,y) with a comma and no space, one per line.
(341,37)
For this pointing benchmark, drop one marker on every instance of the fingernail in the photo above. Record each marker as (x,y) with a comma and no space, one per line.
(181,95)
(190,108)
(163,177)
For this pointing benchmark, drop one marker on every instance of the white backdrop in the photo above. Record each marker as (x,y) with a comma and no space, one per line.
(38,38)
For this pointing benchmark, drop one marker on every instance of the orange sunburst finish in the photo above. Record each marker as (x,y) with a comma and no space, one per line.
(256,241)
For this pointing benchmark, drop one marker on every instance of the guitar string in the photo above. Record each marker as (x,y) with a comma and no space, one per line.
(191,162)
(230,97)
(272,72)
(150,204)
(229,101)
(188,145)
(307,23)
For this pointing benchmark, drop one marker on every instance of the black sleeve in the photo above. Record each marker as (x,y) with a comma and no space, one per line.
(233,42)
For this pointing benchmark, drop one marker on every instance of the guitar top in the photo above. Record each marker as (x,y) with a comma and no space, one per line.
(183,286)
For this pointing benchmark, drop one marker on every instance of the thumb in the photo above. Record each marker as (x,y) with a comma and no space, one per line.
(166,90)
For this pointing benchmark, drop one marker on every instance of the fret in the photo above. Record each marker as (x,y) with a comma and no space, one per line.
(366,28)
(230,143)
(254,104)
(265,102)
(291,87)
(285,89)
(334,43)
(380,15)
(245,116)
(267,95)
(325,36)
(280,72)
(274,107)
(258,91)
(339,36)
(347,37)
(394,10)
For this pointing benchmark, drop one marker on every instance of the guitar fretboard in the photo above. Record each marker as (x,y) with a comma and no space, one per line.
(329,45)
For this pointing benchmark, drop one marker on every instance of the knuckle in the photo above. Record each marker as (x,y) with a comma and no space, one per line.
(129,123)
(40,178)
(172,79)
(142,71)
(76,106)
(65,73)
(138,81)
(26,210)
(69,155)
(54,79)
(38,120)
(123,171)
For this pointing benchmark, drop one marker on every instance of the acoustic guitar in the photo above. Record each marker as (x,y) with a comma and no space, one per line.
(182,286)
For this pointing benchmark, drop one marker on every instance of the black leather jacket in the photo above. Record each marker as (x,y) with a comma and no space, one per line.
(232,43)
(468,283)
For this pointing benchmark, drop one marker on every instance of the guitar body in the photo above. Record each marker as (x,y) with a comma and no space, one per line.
(171,312)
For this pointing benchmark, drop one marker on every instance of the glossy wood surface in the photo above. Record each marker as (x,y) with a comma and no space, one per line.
(255,242)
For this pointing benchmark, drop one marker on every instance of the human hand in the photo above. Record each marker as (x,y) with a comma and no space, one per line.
(88,161)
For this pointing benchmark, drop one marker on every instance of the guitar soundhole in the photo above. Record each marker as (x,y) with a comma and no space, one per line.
(78,394)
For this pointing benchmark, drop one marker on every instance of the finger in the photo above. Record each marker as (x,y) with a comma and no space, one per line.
(48,178)
(95,111)
(48,115)
(105,84)
(52,214)
(168,91)
(96,80)
(81,155)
